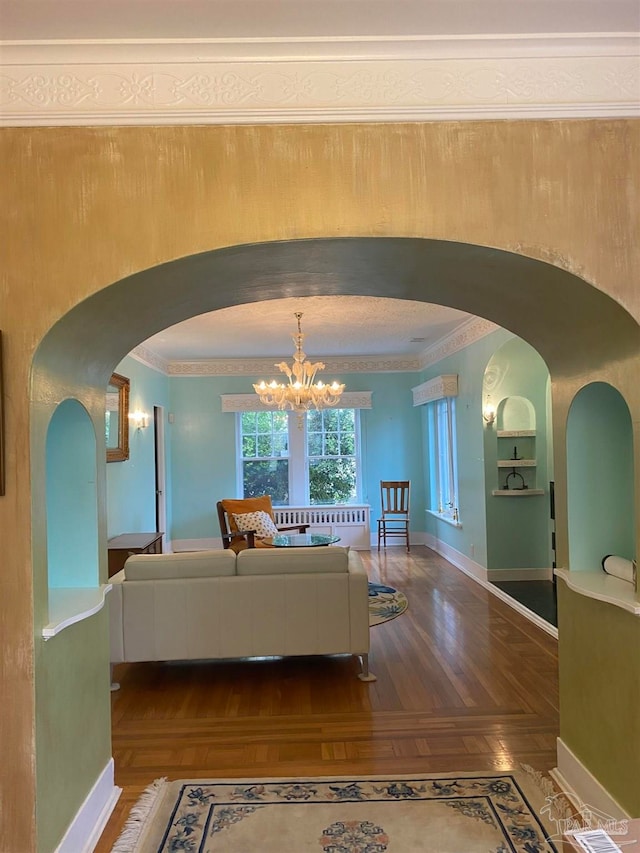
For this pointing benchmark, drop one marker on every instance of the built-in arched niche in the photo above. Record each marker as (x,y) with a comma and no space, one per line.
(71,499)
(600,489)
(515,408)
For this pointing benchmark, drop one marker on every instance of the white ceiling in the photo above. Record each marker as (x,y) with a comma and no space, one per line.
(333,326)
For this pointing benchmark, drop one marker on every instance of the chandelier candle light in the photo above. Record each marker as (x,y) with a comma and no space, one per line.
(300,394)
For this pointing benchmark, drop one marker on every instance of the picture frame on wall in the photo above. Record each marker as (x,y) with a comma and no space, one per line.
(1,422)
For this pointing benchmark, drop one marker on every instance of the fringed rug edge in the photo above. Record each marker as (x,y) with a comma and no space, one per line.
(141,816)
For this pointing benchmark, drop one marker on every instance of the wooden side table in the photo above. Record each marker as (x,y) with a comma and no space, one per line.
(123,546)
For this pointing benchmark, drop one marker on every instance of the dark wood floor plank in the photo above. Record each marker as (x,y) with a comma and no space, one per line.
(464,683)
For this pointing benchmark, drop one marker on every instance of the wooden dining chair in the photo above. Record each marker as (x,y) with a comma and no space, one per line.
(394,501)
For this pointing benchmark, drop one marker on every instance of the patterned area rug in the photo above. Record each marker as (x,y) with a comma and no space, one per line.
(459,813)
(385,603)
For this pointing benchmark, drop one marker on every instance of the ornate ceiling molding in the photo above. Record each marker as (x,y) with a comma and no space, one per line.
(251,402)
(319,80)
(261,366)
(462,336)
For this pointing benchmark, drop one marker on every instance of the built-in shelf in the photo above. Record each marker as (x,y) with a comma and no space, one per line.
(72,604)
(517,493)
(517,464)
(602,587)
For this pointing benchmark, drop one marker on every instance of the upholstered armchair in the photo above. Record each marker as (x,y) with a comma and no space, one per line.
(256,522)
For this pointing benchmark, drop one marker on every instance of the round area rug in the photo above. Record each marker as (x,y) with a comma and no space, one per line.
(385,603)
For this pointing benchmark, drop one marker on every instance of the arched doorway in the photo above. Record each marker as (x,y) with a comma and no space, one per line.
(79,353)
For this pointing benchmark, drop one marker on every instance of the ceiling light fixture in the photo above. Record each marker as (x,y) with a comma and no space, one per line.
(300,394)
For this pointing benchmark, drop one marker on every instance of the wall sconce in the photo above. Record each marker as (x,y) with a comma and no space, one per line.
(139,420)
(489,412)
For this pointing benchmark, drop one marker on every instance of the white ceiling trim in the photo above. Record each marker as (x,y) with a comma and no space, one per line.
(266,366)
(462,336)
(319,80)
(251,402)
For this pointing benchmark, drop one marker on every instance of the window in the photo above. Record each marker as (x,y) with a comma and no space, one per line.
(264,438)
(316,464)
(331,456)
(443,459)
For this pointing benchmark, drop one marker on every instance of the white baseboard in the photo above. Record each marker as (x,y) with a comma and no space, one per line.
(479,574)
(582,787)
(459,560)
(196,544)
(543,574)
(86,828)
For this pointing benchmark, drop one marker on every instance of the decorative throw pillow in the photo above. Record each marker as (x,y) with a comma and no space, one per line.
(261,522)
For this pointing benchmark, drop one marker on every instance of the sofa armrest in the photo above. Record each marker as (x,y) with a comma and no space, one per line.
(301,528)
(116,623)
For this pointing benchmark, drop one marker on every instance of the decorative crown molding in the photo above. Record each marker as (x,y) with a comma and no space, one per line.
(260,366)
(319,80)
(150,358)
(251,402)
(462,336)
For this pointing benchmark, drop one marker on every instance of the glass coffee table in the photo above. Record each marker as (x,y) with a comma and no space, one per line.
(300,540)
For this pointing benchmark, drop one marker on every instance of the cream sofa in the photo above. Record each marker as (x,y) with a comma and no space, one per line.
(261,602)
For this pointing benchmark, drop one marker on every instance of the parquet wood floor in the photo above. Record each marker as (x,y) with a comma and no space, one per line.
(464,683)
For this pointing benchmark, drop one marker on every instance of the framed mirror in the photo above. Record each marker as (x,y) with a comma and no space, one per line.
(117,418)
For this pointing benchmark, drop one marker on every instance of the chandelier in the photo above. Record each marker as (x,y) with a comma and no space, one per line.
(300,394)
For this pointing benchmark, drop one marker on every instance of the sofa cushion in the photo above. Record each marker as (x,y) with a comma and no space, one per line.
(188,564)
(259,521)
(292,561)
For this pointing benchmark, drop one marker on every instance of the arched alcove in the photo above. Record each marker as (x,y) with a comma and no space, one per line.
(71,498)
(600,480)
(516,457)
(516,414)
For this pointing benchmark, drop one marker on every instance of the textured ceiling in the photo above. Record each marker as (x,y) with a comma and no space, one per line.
(333,326)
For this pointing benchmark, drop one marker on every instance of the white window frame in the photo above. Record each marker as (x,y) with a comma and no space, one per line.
(298,462)
(443,459)
(240,457)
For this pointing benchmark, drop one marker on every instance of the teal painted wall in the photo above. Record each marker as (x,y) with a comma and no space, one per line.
(469,539)
(203,445)
(72,498)
(518,528)
(131,484)
(599,477)
(201,448)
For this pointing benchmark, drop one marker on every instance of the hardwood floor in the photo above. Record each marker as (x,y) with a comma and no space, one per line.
(464,683)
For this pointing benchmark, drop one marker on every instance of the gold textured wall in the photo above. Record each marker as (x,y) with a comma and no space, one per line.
(84,208)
